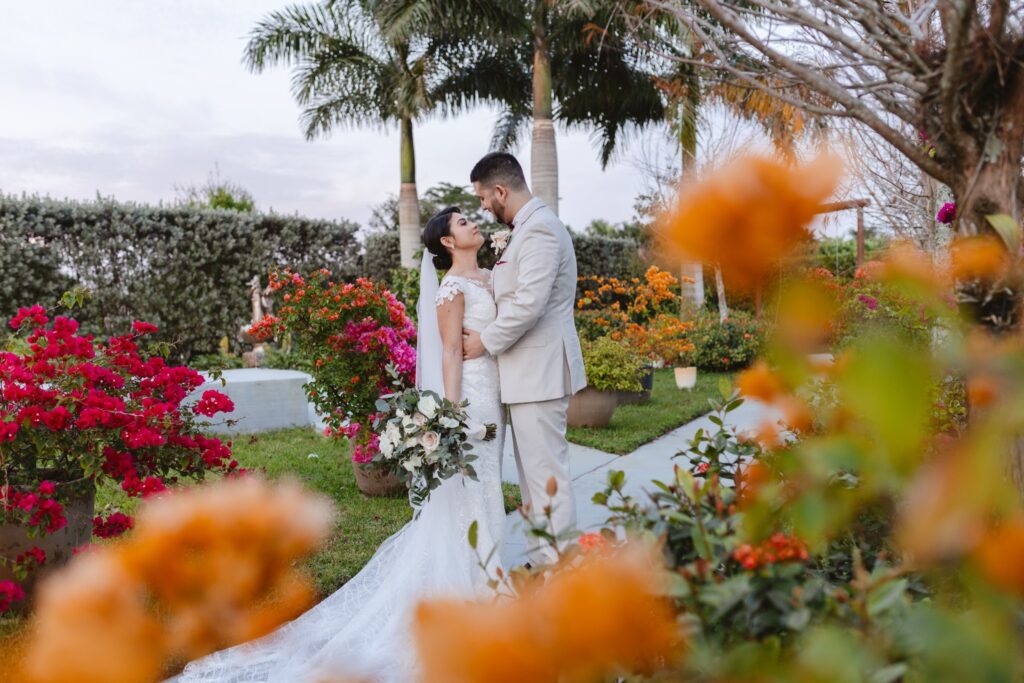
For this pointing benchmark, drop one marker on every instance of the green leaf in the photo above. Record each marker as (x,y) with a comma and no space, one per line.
(797,620)
(1007,229)
(890,674)
(887,596)
(474,531)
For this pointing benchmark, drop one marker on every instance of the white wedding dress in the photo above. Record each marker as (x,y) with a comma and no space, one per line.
(364,630)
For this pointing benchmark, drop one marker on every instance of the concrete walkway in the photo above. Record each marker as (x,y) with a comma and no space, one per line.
(589,469)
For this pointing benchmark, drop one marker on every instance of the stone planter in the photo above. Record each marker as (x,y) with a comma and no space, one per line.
(592,408)
(686,378)
(378,483)
(78,498)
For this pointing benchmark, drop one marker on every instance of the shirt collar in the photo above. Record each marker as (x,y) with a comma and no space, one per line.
(525,211)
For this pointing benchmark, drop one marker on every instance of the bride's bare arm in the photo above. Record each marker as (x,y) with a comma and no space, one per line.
(449,321)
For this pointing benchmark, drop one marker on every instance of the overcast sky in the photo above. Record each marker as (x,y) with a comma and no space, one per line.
(130,98)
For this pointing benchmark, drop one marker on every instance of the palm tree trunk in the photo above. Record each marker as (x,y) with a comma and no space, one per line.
(723,306)
(543,151)
(688,110)
(408,202)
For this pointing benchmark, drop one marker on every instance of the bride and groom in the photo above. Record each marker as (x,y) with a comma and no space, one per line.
(494,338)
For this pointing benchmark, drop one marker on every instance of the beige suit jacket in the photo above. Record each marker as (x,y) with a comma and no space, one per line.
(534,335)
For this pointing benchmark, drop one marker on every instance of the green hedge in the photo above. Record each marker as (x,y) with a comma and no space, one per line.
(594,255)
(184,269)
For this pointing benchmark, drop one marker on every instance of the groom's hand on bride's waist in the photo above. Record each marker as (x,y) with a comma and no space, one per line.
(472,347)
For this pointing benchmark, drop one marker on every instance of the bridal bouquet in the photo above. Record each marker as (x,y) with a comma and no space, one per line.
(427,437)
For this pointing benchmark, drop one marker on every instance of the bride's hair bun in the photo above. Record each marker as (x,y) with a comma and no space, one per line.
(437,227)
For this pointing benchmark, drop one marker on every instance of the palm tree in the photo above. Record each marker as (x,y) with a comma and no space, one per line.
(543,61)
(348,71)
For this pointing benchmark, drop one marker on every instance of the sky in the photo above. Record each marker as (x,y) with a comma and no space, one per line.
(130,99)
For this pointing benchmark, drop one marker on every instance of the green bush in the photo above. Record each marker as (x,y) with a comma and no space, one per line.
(611,365)
(724,346)
(184,269)
(594,256)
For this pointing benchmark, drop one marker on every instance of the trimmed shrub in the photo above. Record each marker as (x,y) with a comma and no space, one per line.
(594,256)
(186,270)
(724,346)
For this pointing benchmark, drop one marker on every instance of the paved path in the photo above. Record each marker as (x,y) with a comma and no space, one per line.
(589,468)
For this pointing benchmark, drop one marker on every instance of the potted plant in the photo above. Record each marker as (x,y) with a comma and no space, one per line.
(357,336)
(75,411)
(611,367)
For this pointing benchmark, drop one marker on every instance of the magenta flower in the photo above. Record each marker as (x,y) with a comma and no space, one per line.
(947,213)
(869,301)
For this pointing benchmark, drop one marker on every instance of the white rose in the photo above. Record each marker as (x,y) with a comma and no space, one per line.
(412,462)
(499,240)
(407,423)
(430,441)
(449,422)
(419,419)
(476,430)
(387,446)
(411,442)
(428,406)
(393,433)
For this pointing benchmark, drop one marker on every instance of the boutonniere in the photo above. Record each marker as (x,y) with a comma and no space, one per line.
(499,240)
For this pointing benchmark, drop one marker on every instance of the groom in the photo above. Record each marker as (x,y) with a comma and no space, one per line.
(533,337)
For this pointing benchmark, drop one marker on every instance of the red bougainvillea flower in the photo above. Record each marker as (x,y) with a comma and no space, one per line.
(10,592)
(115,524)
(213,402)
(139,327)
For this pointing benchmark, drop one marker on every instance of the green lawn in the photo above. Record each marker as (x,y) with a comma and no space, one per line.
(669,407)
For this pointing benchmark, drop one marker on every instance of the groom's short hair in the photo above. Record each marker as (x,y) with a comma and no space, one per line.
(499,168)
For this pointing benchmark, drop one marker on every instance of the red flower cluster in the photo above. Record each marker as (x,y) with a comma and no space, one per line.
(77,407)
(10,592)
(38,510)
(213,402)
(778,548)
(115,524)
(354,332)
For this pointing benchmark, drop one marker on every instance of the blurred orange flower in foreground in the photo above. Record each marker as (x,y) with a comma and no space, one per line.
(983,257)
(759,382)
(204,569)
(605,615)
(999,555)
(749,214)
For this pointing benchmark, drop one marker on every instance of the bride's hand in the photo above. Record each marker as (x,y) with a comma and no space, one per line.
(472,346)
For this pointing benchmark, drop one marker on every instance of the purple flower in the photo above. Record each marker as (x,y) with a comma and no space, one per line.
(947,213)
(869,301)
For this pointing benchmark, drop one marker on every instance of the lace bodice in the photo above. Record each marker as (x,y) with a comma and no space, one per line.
(480,308)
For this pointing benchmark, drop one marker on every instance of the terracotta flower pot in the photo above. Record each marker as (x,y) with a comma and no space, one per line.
(592,408)
(375,482)
(78,498)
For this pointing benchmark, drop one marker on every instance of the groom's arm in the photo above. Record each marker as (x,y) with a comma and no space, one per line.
(539,256)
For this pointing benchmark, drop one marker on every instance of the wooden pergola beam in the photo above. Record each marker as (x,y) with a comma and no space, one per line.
(859,205)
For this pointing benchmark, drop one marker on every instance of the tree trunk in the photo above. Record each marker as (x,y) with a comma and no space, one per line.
(543,152)
(408,202)
(688,114)
(723,306)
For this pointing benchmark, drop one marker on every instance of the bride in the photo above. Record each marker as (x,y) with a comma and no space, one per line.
(364,630)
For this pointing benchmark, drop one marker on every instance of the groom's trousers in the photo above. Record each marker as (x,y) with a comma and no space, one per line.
(538,435)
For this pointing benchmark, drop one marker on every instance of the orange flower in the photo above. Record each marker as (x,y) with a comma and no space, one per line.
(586,621)
(982,257)
(982,390)
(796,414)
(905,262)
(758,381)
(999,555)
(204,569)
(749,215)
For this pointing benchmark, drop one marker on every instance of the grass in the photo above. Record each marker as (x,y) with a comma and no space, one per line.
(669,407)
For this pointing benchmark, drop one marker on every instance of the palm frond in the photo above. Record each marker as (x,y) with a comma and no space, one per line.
(510,126)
